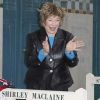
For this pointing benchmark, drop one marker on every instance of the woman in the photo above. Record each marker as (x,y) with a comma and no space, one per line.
(50,52)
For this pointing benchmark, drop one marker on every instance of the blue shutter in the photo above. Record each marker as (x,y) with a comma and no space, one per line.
(96,44)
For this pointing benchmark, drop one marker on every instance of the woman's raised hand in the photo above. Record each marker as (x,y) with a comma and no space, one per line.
(74,45)
(46,45)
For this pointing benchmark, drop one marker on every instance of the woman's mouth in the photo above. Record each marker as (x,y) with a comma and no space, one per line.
(52,28)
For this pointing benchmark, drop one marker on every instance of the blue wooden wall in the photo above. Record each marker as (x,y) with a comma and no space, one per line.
(19,18)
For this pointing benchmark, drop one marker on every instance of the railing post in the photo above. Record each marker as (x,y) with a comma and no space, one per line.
(90,80)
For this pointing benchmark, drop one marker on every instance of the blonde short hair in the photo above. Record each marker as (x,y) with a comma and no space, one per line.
(49,9)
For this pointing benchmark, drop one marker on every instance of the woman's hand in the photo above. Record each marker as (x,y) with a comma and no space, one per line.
(74,45)
(46,46)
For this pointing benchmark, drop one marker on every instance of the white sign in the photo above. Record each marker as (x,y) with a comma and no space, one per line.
(25,94)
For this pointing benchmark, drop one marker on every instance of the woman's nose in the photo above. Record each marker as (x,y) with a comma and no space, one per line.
(53,22)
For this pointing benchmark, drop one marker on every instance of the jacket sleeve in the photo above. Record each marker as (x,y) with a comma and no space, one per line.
(31,59)
(71,62)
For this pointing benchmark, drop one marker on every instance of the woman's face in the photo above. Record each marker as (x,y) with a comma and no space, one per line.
(52,24)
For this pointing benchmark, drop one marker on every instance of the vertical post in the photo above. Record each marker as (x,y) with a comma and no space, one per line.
(1,39)
(90,80)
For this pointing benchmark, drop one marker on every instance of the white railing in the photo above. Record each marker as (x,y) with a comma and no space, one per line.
(24,94)
(91,80)
(80,94)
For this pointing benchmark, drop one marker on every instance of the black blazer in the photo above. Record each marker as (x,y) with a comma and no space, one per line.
(53,73)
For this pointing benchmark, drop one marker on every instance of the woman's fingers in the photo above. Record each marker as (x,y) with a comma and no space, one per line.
(46,41)
(75,45)
(79,44)
(73,39)
(77,49)
(46,45)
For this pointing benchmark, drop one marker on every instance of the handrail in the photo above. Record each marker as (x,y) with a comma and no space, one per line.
(91,80)
(25,94)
